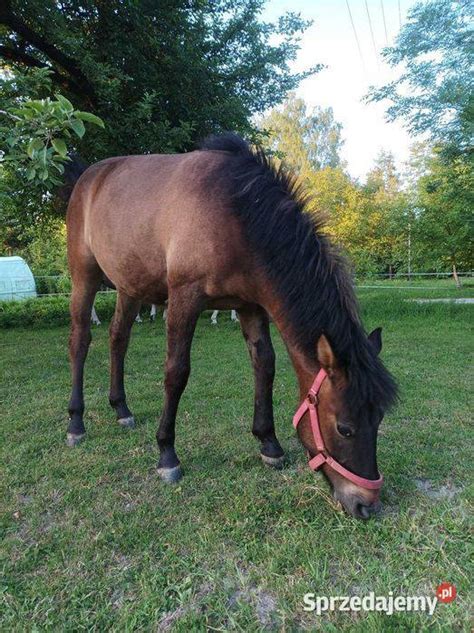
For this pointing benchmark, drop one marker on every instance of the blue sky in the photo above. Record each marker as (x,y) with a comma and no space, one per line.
(331,41)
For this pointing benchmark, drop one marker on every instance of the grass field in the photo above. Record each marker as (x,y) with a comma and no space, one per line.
(92,540)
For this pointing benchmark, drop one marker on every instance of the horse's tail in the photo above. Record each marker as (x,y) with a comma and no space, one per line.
(73,170)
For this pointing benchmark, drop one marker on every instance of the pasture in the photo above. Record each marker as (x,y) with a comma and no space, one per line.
(93,540)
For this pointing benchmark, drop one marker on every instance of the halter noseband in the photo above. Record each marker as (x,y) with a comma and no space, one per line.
(310,403)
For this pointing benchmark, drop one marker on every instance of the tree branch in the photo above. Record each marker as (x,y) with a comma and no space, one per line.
(10,20)
(15,55)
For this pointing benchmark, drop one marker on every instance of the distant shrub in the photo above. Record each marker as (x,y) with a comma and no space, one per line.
(44,311)
(53,285)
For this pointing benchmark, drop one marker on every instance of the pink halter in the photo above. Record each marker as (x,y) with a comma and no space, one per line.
(310,403)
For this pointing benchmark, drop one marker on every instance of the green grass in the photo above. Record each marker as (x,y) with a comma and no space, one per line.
(92,540)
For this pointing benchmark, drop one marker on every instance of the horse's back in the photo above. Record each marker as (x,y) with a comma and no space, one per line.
(154,220)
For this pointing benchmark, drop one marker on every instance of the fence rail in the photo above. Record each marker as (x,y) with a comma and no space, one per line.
(359,280)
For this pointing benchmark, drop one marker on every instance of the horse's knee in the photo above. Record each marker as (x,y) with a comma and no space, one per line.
(263,358)
(177,374)
(117,334)
(79,341)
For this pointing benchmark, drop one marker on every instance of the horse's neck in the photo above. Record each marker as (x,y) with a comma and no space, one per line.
(305,367)
(305,364)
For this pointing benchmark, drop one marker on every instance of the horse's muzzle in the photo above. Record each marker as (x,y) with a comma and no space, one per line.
(357,505)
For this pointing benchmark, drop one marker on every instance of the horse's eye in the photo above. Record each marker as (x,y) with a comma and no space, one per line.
(344,430)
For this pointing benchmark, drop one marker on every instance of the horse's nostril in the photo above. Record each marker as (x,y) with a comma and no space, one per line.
(365,512)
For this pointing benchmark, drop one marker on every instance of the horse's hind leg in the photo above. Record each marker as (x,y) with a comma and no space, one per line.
(85,283)
(184,306)
(256,331)
(126,310)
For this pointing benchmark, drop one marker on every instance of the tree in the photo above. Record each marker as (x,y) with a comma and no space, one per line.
(443,230)
(307,139)
(387,216)
(434,91)
(369,222)
(383,177)
(159,74)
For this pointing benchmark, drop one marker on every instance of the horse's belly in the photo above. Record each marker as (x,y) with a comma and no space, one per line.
(132,269)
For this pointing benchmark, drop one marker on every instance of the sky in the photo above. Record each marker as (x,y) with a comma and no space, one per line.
(349,74)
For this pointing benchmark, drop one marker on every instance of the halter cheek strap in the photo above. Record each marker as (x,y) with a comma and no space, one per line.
(310,404)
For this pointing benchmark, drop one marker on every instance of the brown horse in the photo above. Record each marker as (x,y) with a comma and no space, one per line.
(224,228)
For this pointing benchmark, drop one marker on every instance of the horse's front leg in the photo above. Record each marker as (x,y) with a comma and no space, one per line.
(184,306)
(256,331)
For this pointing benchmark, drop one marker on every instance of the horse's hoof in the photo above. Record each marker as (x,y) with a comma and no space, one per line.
(274,462)
(73,440)
(129,422)
(170,475)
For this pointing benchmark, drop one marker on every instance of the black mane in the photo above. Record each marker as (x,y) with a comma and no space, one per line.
(310,277)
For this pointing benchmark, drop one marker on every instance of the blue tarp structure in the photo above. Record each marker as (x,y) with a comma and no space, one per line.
(16,279)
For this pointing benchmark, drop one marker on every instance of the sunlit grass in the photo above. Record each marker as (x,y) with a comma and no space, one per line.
(92,540)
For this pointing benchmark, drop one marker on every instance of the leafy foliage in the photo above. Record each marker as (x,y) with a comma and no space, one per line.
(307,139)
(159,74)
(434,93)
(369,222)
(443,228)
(36,133)
(48,311)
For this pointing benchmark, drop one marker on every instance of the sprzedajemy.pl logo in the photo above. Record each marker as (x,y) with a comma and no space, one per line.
(388,604)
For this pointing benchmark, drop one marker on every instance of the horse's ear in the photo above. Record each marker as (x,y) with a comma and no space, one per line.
(325,355)
(375,339)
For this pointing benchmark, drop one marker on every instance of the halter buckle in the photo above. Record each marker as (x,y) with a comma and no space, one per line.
(313,399)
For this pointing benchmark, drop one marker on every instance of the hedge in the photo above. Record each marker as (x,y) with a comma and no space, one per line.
(53,284)
(44,311)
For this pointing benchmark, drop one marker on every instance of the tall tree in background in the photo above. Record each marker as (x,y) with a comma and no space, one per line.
(383,176)
(369,222)
(307,139)
(434,93)
(160,74)
(443,228)
(434,96)
(387,216)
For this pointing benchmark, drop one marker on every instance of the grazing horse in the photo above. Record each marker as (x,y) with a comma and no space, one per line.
(224,228)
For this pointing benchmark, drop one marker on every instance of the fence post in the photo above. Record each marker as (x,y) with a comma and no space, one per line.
(456,277)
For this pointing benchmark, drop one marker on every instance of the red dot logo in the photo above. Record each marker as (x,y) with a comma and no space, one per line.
(446,592)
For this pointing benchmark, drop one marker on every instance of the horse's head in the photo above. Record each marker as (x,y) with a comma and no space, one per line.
(341,424)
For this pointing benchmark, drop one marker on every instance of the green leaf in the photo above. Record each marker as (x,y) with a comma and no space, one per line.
(43,156)
(30,173)
(34,146)
(78,127)
(65,103)
(89,117)
(43,174)
(59,167)
(60,146)
(36,104)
